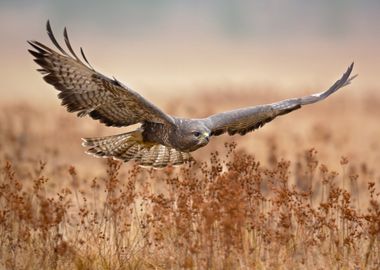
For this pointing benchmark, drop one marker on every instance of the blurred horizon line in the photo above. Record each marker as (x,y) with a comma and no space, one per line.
(171,46)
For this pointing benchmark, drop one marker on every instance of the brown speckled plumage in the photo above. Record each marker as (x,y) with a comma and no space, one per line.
(161,139)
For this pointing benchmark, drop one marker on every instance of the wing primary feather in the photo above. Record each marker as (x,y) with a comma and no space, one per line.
(342,82)
(67,41)
(52,38)
(85,58)
(247,119)
(40,47)
(102,98)
(34,53)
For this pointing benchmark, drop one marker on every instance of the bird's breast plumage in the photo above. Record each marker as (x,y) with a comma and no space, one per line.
(157,133)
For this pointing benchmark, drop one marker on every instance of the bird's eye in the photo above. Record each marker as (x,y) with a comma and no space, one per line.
(196,134)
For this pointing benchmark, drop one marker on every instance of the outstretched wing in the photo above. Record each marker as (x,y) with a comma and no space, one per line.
(87,92)
(248,119)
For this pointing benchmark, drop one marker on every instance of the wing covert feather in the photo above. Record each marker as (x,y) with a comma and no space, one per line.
(87,92)
(248,119)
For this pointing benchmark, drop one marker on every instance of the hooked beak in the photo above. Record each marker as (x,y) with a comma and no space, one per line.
(204,138)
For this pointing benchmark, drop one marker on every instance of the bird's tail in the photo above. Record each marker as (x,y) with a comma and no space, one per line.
(130,146)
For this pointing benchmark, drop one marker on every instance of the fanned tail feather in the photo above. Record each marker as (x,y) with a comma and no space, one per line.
(129,146)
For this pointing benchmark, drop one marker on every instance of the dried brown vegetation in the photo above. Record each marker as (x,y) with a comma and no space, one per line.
(305,198)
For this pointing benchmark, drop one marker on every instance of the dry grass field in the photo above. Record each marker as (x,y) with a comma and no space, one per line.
(300,193)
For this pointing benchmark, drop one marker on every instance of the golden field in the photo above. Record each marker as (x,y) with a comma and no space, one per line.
(300,193)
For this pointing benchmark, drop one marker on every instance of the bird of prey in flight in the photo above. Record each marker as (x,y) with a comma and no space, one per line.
(161,139)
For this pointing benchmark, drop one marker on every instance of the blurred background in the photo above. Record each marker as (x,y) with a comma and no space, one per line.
(194,58)
(182,47)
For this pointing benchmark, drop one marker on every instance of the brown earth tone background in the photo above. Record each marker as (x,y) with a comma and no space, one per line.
(300,193)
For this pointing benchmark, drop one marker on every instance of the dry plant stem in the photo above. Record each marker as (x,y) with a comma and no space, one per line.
(225,213)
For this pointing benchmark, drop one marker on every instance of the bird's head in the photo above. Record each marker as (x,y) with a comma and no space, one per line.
(194,135)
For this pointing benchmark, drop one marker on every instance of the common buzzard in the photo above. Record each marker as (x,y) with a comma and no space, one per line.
(161,139)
